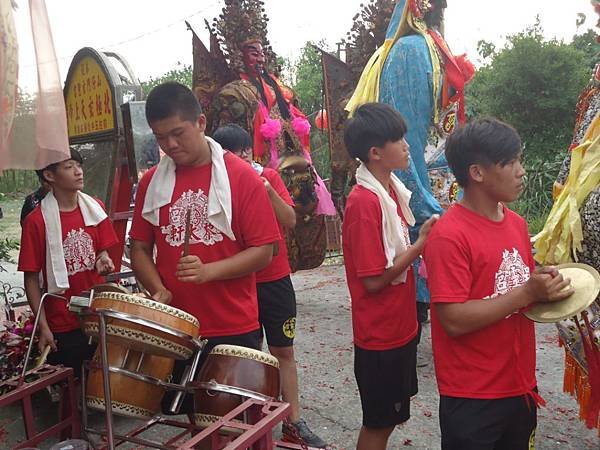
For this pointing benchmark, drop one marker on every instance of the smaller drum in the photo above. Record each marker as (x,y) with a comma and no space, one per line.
(129,397)
(140,336)
(229,376)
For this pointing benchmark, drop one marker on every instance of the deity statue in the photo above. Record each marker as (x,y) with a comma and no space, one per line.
(237,82)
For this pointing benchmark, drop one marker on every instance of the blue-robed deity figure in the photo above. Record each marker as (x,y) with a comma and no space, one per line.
(415,72)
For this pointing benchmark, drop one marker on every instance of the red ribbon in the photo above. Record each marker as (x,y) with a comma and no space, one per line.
(458,71)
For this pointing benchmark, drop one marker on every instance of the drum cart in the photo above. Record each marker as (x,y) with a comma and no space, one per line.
(262,415)
(24,386)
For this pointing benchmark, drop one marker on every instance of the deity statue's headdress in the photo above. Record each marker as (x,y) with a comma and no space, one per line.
(242,22)
(367,33)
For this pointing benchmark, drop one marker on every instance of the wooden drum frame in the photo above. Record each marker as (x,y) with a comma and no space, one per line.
(131,397)
(144,325)
(229,376)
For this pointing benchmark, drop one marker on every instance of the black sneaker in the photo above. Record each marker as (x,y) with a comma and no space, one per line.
(299,433)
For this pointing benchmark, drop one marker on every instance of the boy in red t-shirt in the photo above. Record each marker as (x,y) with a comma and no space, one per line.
(276,296)
(231,230)
(481,274)
(85,259)
(378,257)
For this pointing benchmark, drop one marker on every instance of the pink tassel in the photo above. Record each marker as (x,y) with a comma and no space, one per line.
(270,129)
(325,205)
(301,126)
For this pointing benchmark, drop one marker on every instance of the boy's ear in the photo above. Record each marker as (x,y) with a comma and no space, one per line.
(48,176)
(202,123)
(476,173)
(373,154)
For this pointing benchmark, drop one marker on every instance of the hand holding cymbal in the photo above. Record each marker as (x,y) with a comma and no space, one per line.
(580,293)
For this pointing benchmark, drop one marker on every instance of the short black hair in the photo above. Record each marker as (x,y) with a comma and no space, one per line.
(487,141)
(372,125)
(170,99)
(74,155)
(232,137)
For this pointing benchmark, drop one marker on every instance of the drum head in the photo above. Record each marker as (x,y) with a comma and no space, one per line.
(586,282)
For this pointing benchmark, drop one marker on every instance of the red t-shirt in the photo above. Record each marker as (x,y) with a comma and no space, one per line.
(470,257)
(280,266)
(223,307)
(388,318)
(80,244)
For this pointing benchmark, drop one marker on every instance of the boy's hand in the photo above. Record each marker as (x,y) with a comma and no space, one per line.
(191,269)
(163,296)
(426,228)
(267,185)
(546,284)
(104,264)
(46,338)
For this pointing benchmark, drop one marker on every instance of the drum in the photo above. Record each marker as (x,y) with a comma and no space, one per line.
(129,396)
(229,376)
(144,337)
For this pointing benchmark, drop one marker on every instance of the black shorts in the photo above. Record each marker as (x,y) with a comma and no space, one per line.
(386,379)
(480,424)
(251,340)
(277,311)
(72,349)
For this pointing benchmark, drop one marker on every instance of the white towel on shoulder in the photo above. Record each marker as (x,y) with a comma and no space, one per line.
(393,237)
(162,184)
(56,268)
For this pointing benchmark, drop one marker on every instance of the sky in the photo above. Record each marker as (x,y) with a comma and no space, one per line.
(152,36)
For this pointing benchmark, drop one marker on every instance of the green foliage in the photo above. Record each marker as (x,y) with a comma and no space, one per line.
(536,200)
(308,87)
(587,44)
(533,84)
(309,79)
(319,143)
(7,245)
(18,181)
(182,74)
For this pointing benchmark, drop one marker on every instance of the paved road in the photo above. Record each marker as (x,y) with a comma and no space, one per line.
(328,391)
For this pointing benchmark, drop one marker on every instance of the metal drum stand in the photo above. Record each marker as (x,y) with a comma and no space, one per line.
(263,414)
(106,369)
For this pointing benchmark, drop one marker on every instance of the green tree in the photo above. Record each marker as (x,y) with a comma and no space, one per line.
(533,84)
(182,74)
(309,79)
(308,86)
(588,44)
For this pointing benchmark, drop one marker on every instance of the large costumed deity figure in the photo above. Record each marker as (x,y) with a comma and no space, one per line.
(236,82)
(415,72)
(572,234)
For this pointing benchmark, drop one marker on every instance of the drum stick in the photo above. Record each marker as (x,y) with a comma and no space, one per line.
(42,358)
(188,230)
